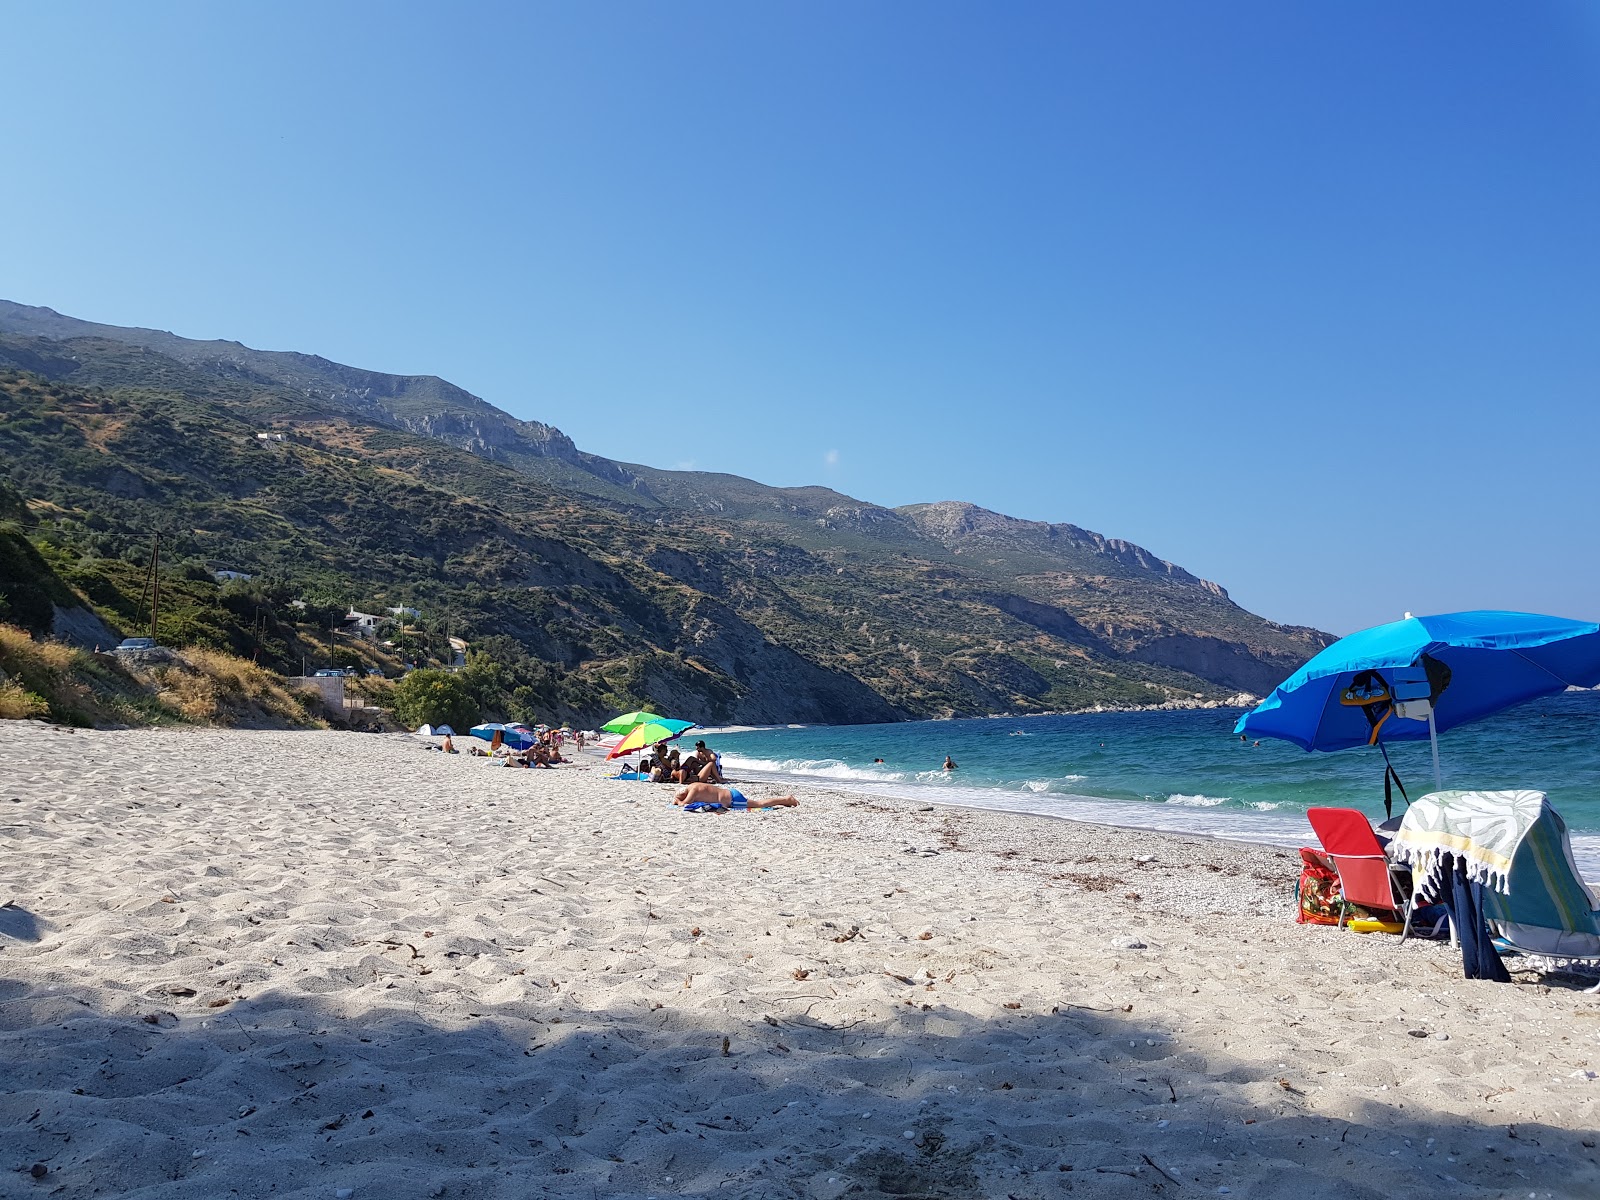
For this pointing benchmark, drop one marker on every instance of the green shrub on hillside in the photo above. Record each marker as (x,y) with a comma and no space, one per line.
(433,698)
(29,589)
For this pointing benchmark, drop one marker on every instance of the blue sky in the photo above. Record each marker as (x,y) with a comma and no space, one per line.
(1301,296)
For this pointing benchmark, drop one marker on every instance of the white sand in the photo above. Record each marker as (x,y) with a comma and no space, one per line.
(252,964)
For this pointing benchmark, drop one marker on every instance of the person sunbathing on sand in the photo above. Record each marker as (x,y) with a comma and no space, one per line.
(708,797)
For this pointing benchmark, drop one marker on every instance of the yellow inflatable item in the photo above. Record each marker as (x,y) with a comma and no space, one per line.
(1373,925)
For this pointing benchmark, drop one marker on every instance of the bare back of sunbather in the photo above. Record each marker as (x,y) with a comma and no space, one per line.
(710,793)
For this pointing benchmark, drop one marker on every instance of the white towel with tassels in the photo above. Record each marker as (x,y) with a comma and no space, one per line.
(1482,829)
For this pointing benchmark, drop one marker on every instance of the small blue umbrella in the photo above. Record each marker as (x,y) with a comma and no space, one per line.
(517,739)
(1415,678)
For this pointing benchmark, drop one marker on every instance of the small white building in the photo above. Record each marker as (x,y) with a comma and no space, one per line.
(272,437)
(400,610)
(362,624)
(225,576)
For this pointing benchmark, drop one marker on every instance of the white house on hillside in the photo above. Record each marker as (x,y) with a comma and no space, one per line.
(363,624)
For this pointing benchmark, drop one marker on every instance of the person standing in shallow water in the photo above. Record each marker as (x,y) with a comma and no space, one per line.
(949,763)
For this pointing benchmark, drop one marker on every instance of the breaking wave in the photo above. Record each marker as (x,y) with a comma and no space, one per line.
(822,768)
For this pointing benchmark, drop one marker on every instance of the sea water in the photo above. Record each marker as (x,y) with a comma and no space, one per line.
(1184,771)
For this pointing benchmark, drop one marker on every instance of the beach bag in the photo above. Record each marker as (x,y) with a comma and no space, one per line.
(1318,896)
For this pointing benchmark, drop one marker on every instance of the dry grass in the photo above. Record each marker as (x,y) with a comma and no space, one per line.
(21,653)
(209,687)
(50,673)
(49,679)
(19,704)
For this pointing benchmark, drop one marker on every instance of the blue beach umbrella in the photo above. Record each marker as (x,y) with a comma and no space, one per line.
(517,739)
(1415,678)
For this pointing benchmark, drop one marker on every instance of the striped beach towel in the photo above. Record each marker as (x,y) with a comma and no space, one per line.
(1482,829)
(1516,846)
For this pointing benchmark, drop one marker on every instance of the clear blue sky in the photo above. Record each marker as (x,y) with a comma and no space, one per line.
(1303,296)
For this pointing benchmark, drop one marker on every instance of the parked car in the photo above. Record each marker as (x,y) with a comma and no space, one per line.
(134,645)
(327,673)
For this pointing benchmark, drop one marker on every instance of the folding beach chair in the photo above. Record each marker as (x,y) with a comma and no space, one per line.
(1366,876)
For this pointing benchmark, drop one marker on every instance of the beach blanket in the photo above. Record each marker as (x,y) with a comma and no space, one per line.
(1482,829)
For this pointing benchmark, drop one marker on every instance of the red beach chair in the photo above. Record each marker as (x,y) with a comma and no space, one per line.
(1366,876)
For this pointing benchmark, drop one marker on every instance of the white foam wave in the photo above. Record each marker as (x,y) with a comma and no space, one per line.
(1196,800)
(814,768)
(1038,786)
(1286,828)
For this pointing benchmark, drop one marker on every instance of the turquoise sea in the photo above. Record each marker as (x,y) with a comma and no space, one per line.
(1185,770)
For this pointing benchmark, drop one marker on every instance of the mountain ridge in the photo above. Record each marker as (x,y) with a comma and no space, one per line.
(500,436)
(944,608)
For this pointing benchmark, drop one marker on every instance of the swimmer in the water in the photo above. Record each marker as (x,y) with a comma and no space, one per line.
(949,763)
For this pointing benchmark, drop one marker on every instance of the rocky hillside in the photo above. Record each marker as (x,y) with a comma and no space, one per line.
(709,595)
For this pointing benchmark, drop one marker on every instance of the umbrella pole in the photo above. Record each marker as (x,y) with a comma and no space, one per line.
(1433,740)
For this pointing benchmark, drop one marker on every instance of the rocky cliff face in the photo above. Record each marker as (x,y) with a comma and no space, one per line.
(957,524)
(1231,664)
(775,684)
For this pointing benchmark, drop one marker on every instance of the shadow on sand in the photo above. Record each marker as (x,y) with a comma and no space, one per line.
(18,923)
(280,1095)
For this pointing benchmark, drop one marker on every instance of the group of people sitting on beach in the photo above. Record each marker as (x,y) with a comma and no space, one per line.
(664,765)
(700,772)
(543,751)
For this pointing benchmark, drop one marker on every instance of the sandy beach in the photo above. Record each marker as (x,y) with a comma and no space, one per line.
(324,965)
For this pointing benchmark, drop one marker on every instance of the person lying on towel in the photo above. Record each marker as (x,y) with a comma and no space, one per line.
(709,797)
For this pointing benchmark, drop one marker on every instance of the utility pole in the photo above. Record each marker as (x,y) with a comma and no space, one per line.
(155,587)
(152,586)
